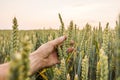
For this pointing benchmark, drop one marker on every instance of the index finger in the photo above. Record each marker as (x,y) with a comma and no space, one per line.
(59,40)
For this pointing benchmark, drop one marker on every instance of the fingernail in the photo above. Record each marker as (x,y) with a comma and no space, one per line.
(63,38)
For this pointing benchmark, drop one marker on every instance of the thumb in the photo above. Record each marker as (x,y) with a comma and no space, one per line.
(59,40)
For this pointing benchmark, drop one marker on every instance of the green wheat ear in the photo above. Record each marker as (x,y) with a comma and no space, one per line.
(14,45)
(14,37)
(62,27)
(103,65)
(106,39)
(63,69)
(85,68)
(70,31)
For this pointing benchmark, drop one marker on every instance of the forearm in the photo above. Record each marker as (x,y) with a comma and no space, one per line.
(35,65)
(4,68)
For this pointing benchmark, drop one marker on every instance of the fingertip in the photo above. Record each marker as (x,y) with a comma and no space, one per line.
(63,38)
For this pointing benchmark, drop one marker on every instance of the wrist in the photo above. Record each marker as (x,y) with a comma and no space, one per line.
(36,62)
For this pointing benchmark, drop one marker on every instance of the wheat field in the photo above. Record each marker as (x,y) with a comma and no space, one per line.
(96,55)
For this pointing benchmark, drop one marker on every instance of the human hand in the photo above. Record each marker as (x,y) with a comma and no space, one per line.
(46,55)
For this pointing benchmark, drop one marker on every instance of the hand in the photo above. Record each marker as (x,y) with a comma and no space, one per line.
(45,55)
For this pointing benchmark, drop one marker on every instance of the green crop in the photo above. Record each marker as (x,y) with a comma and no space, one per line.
(96,54)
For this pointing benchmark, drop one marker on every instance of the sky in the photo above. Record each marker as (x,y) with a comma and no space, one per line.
(39,14)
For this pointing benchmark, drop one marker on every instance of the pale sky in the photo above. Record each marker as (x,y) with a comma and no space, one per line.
(36,14)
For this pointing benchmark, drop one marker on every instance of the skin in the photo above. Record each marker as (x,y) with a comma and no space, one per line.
(44,56)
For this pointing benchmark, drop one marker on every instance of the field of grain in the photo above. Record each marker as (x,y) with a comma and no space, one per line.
(96,55)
